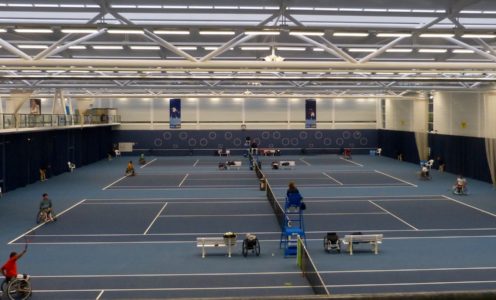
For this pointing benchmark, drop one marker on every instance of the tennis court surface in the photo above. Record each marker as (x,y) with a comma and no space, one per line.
(136,237)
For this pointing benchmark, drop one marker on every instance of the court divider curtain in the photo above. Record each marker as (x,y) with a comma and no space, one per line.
(422,141)
(491,157)
(490,133)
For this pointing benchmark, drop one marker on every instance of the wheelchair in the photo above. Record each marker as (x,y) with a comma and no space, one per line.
(425,173)
(460,190)
(332,242)
(17,288)
(44,216)
(251,244)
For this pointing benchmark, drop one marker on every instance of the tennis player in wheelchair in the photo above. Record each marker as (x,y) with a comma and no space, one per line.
(130,169)
(425,172)
(9,271)
(45,214)
(460,187)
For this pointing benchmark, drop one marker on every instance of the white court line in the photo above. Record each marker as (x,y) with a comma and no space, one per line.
(332,178)
(196,162)
(395,216)
(304,161)
(412,283)
(184,179)
(144,188)
(396,178)
(156,217)
(272,287)
(278,232)
(468,205)
(372,196)
(38,226)
(170,199)
(350,161)
(165,275)
(99,295)
(407,270)
(148,163)
(189,202)
(229,215)
(113,183)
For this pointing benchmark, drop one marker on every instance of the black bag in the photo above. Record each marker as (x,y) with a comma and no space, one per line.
(332,237)
(303,206)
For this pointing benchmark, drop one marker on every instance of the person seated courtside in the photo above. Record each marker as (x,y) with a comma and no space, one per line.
(460,186)
(293,197)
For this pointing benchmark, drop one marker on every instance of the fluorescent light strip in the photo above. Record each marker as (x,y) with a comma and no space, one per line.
(187,48)
(2,30)
(400,50)
(254,48)
(208,32)
(145,47)
(326,9)
(307,33)
(291,48)
(175,6)
(362,49)
(200,7)
(33,30)
(77,47)
(463,51)
(392,34)
(172,32)
(32,46)
(351,34)
(150,6)
(124,31)
(46,5)
(225,7)
(318,49)
(435,35)
(103,47)
(262,32)
(479,36)
(423,50)
(78,30)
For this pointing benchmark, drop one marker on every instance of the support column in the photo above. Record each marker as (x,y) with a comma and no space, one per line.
(58,106)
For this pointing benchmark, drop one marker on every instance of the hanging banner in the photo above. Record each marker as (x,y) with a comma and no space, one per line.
(175,113)
(35,106)
(310,113)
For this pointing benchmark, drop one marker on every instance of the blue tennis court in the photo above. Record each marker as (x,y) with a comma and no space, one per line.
(137,237)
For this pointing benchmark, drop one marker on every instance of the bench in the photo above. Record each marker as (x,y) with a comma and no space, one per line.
(236,164)
(288,164)
(269,151)
(215,242)
(373,239)
(224,152)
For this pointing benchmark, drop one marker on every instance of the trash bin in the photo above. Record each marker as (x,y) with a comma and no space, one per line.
(263,184)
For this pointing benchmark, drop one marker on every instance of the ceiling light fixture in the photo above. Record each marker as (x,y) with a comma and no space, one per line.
(125,31)
(262,32)
(273,57)
(171,32)
(219,32)
(33,30)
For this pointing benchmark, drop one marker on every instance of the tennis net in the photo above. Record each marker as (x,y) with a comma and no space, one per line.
(276,207)
(309,270)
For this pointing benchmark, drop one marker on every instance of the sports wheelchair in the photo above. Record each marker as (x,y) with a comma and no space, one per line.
(332,242)
(251,244)
(17,288)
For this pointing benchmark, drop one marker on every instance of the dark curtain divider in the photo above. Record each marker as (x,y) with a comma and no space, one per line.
(394,142)
(462,155)
(26,153)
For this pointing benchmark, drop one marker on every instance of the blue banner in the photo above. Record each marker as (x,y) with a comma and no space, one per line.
(310,113)
(175,113)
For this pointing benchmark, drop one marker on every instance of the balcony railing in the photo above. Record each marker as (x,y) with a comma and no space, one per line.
(16,121)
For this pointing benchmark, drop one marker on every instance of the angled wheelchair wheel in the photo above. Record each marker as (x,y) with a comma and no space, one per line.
(326,244)
(41,217)
(245,248)
(3,287)
(257,248)
(19,289)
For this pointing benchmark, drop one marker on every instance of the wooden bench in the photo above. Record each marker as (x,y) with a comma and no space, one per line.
(215,242)
(288,164)
(373,239)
